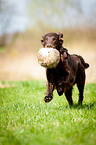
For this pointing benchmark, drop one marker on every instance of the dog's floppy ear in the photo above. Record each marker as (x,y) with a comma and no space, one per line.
(42,40)
(60,34)
(64,56)
(60,37)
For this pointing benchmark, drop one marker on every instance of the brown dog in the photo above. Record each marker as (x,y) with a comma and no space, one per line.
(69,71)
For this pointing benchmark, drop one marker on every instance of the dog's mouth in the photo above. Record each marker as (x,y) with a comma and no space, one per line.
(54,47)
(51,47)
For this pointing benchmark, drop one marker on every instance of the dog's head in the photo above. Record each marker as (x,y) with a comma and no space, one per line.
(52,40)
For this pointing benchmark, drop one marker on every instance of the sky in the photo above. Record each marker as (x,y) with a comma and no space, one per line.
(20,21)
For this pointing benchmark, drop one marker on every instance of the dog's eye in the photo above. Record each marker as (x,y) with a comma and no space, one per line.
(54,39)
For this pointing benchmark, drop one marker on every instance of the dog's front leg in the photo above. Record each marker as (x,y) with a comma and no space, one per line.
(49,93)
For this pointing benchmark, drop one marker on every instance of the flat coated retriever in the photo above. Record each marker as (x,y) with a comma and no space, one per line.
(69,71)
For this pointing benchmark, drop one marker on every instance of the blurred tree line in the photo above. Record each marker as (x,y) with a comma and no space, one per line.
(52,13)
(43,15)
(7,12)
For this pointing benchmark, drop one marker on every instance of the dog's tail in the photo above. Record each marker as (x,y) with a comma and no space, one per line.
(86,65)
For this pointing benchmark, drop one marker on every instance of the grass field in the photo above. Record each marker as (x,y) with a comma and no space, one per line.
(26,120)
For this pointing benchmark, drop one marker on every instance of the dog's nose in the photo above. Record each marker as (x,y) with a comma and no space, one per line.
(48,45)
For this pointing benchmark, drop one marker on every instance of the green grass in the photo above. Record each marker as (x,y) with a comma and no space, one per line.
(26,120)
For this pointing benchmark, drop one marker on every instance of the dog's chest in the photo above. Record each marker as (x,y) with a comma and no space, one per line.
(57,75)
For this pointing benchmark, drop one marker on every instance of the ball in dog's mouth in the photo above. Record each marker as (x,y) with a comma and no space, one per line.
(48,57)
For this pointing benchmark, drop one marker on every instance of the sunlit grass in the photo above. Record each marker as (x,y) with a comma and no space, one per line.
(27,120)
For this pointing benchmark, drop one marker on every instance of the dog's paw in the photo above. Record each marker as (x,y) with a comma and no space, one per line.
(48,99)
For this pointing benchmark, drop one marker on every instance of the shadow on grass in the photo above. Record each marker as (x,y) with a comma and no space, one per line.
(76,106)
(84,106)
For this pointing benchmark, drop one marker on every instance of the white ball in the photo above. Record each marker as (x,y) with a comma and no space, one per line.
(48,57)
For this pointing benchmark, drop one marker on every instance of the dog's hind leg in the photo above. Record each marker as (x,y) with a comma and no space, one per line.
(80,83)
